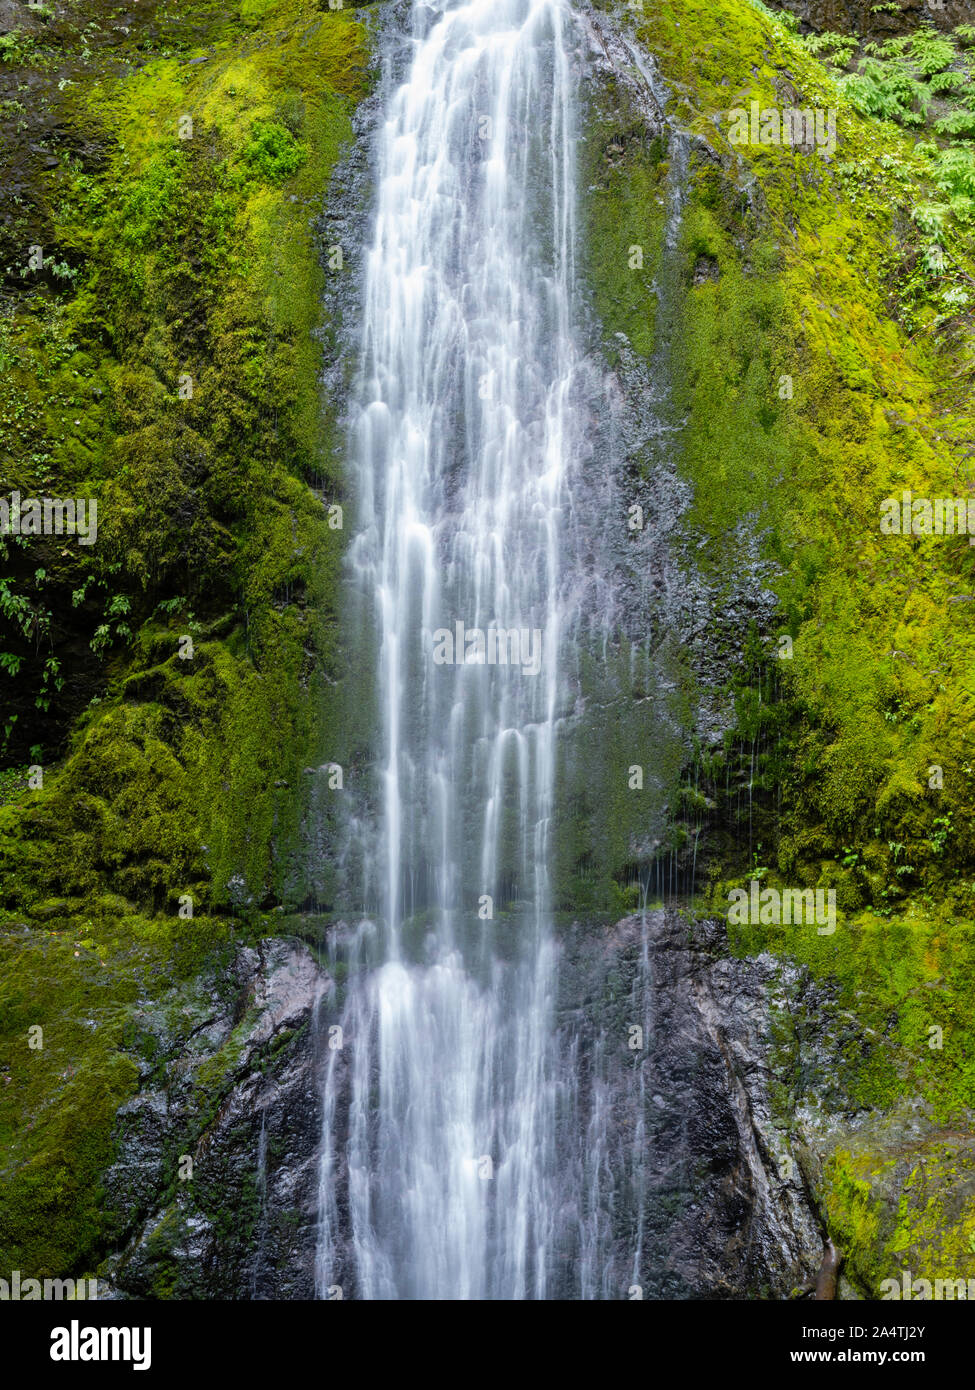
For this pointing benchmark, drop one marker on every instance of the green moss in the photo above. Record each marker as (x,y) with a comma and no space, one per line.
(272,151)
(625,212)
(806,403)
(927,1230)
(62,1086)
(817,362)
(849,1205)
(173,374)
(207,286)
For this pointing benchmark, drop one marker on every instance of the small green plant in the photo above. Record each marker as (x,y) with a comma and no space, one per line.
(105,633)
(272,151)
(787,20)
(930,52)
(943,829)
(930,217)
(51,680)
(888,91)
(960,122)
(933,259)
(15,47)
(833,48)
(950,81)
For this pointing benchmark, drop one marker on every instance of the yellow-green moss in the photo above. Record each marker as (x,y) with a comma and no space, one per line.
(796,271)
(192,259)
(929,1231)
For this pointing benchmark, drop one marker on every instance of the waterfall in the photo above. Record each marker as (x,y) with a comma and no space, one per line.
(454,1149)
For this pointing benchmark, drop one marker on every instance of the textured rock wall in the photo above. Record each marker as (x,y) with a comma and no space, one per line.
(724,1210)
(215,1180)
(872,21)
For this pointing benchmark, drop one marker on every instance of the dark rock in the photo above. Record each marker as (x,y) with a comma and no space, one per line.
(725,1212)
(705,269)
(858,16)
(215,1182)
(707,1187)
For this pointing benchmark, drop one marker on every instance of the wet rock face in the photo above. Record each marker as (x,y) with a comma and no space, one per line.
(706,1201)
(719,1209)
(218,1153)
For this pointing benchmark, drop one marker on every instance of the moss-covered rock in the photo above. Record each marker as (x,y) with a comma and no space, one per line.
(816,359)
(165,686)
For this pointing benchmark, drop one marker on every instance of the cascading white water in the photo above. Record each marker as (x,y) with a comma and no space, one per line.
(443,1171)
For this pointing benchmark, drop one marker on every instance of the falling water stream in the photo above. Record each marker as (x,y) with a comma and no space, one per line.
(457,1161)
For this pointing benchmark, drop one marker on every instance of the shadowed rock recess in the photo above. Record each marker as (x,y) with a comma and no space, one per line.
(758,344)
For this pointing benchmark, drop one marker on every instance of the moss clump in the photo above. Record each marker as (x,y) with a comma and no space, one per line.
(624,212)
(68,1060)
(272,151)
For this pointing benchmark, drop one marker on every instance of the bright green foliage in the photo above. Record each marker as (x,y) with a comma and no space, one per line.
(921,79)
(272,151)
